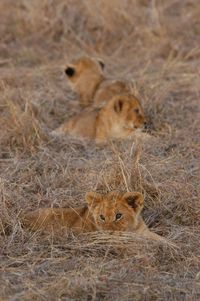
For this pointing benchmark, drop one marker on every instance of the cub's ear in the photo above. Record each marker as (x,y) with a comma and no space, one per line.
(118,105)
(70,71)
(134,200)
(101,63)
(92,198)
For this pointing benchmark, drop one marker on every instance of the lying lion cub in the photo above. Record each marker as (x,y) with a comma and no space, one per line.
(112,211)
(87,79)
(117,119)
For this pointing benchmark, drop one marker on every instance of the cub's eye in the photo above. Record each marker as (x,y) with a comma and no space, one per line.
(137,111)
(101,64)
(118,216)
(102,217)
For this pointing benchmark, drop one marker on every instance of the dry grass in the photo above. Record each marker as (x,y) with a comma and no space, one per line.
(155,44)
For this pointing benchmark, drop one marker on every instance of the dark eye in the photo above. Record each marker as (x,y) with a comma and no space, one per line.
(101,64)
(102,217)
(137,111)
(118,216)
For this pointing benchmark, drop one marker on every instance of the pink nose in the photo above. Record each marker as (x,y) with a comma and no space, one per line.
(108,226)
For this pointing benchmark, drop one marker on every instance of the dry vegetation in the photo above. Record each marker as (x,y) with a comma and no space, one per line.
(155,44)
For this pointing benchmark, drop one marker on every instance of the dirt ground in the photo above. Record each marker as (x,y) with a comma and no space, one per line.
(155,45)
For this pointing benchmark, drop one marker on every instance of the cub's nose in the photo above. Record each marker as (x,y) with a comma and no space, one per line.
(145,125)
(69,71)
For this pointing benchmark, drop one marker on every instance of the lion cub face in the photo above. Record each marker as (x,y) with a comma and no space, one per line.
(115,211)
(128,111)
(83,68)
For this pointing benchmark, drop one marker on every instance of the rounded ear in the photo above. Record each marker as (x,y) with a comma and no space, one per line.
(118,105)
(70,71)
(101,63)
(134,200)
(92,198)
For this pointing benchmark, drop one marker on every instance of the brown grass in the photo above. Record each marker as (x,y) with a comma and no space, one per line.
(155,44)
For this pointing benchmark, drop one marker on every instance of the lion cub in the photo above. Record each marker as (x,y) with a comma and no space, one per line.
(113,211)
(87,79)
(119,118)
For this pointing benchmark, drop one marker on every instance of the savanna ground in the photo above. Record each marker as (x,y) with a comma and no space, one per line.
(155,44)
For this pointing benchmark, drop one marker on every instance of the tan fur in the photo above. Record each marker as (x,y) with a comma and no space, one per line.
(117,119)
(89,82)
(108,89)
(113,211)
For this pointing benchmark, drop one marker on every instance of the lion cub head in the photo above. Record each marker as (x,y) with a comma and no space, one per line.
(115,211)
(83,66)
(84,75)
(126,112)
